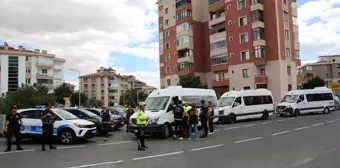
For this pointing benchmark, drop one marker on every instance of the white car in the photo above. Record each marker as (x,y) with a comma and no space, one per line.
(67,127)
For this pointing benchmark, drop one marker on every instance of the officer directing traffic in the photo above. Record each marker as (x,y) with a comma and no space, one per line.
(48,119)
(13,123)
(141,124)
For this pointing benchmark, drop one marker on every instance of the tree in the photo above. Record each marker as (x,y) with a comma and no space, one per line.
(93,102)
(75,99)
(191,82)
(130,97)
(62,91)
(314,82)
(111,104)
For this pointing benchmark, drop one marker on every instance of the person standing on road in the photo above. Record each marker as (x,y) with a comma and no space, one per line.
(141,124)
(186,126)
(211,117)
(106,118)
(12,125)
(129,113)
(48,119)
(193,121)
(178,112)
(204,119)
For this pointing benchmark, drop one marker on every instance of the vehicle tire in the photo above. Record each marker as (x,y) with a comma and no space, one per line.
(326,111)
(166,131)
(281,115)
(231,119)
(265,115)
(296,113)
(67,137)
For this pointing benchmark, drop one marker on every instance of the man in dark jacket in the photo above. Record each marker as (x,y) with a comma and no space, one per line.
(129,111)
(204,119)
(178,112)
(211,117)
(106,118)
(48,119)
(12,125)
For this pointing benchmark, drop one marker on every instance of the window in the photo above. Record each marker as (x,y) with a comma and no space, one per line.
(168,70)
(257,100)
(245,73)
(287,52)
(319,97)
(244,55)
(230,22)
(167,34)
(167,22)
(289,87)
(167,46)
(167,57)
(182,14)
(231,38)
(256,1)
(28,81)
(241,4)
(246,88)
(260,52)
(44,71)
(161,48)
(28,70)
(285,16)
(338,74)
(185,66)
(168,82)
(263,71)
(28,59)
(160,36)
(296,37)
(289,71)
(184,40)
(258,33)
(286,34)
(231,54)
(229,7)
(297,54)
(219,59)
(285,2)
(32,114)
(13,73)
(166,11)
(218,44)
(243,38)
(326,74)
(242,21)
(261,86)
(196,100)
(183,27)
(161,24)
(257,16)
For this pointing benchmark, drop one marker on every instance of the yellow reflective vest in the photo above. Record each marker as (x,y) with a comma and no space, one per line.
(140,114)
(186,110)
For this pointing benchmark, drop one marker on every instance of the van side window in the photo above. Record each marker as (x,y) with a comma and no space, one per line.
(257,100)
(319,97)
(196,100)
(302,97)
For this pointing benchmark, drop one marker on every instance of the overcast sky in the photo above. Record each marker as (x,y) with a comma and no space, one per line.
(123,33)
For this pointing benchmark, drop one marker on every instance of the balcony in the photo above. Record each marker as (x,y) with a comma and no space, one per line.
(257,6)
(260,42)
(218,51)
(257,24)
(260,61)
(188,32)
(185,46)
(217,20)
(220,83)
(28,64)
(28,75)
(294,10)
(215,5)
(185,72)
(261,79)
(189,58)
(187,6)
(220,67)
(44,76)
(297,46)
(182,2)
(218,35)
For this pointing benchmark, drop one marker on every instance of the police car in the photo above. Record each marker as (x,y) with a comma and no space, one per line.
(67,128)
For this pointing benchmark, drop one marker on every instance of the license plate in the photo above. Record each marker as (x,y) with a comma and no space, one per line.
(94,132)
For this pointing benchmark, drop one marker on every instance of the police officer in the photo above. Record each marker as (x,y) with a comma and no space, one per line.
(13,123)
(106,118)
(178,113)
(187,109)
(204,119)
(129,111)
(141,124)
(47,118)
(211,117)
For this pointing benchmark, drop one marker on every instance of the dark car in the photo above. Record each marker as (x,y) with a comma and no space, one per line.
(117,121)
(336,103)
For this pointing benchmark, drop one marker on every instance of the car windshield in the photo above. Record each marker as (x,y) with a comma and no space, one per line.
(225,101)
(94,111)
(290,99)
(88,113)
(155,104)
(65,114)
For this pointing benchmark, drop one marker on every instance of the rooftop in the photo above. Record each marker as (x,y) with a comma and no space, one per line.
(6,49)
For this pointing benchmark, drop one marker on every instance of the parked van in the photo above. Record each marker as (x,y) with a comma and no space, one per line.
(245,104)
(159,107)
(298,102)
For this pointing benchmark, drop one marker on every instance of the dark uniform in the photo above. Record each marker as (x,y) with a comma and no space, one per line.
(13,129)
(178,112)
(48,119)
(106,118)
(204,119)
(211,119)
(129,113)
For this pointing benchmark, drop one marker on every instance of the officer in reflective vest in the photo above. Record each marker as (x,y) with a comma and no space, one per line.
(187,109)
(141,124)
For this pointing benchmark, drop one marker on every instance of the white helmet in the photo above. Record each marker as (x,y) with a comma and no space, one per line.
(142,104)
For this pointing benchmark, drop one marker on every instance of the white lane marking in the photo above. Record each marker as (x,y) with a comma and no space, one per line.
(330,121)
(29,150)
(230,128)
(207,147)
(267,122)
(338,119)
(315,125)
(97,164)
(280,120)
(302,162)
(301,128)
(68,147)
(290,118)
(250,125)
(160,155)
(279,133)
(217,130)
(246,140)
(115,143)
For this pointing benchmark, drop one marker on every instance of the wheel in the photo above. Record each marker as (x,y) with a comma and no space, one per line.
(326,111)
(296,113)
(67,137)
(231,119)
(281,115)
(265,115)
(166,131)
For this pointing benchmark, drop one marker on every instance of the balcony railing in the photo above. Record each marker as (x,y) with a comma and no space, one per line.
(217,20)
(182,2)
(211,2)
(44,65)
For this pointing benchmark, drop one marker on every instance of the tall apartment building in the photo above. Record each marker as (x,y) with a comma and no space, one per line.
(107,85)
(21,66)
(253,43)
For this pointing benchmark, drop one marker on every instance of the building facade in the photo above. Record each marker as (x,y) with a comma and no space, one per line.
(251,43)
(21,66)
(107,85)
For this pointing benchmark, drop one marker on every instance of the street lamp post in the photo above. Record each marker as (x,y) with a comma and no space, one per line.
(78,84)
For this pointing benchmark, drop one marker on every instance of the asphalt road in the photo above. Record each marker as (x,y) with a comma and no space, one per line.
(310,141)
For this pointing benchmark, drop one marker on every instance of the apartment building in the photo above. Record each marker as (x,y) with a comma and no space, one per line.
(253,43)
(20,66)
(327,67)
(108,85)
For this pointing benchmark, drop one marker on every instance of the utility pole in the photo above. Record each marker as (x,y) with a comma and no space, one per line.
(78,84)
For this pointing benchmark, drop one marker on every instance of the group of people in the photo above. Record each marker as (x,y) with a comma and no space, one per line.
(187,116)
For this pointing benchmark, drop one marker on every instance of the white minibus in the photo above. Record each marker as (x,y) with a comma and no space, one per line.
(245,104)
(298,102)
(159,107)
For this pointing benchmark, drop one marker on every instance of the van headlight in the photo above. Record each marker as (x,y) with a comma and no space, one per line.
(153,120)
(80,125)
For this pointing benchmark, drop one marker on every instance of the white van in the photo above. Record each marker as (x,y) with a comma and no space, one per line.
(67,127)
(298,102)
(245,104)
(159,106)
